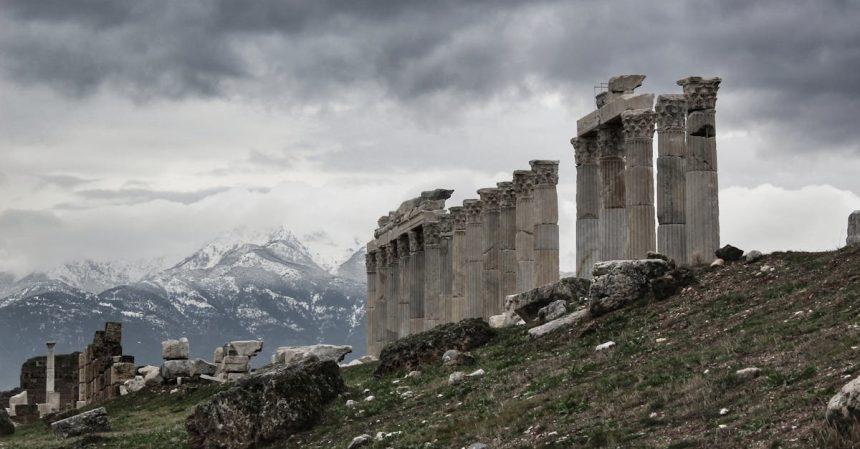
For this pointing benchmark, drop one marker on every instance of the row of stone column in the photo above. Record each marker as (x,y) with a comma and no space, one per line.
(463,263)
(615,178)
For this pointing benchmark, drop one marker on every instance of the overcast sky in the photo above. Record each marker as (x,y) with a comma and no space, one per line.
(143,129)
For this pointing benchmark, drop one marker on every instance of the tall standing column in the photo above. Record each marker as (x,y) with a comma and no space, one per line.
(404,287)
(671,112)
(587,205)
(546,221)
(474,260)
(432,275)
(416,282)
(392,310)
(490,276)
(52,398)
(507,240)
(371,322)
(381,327)
(446,270)
(525,222)
(613,218)
(702,196)
(458,263)
(639,182)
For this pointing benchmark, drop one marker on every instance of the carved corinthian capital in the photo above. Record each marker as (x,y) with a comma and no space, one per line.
(391,252)
(507,197)
(416,241)
(458,214)
(671,112)
(489,199)
(638,123)
(546,172)
(610,142)
(584,150)
(403,246)
(432,233)
(701,92)
(473,210)
(524,183)
(380,257)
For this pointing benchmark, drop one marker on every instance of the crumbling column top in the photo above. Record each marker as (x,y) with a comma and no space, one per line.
(638,123)
(416,241)
(489,198)
(507,196)
(473,210)
(523,183)
(625,84)
(546,172)
(701,92)
(585,150)
(671,112)
(391,252)
(403,246)
(431,235)
(609,142)
(458,215)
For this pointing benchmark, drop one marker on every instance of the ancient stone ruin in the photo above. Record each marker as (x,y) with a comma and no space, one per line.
(49,384)
(853,228)
(616,214)
(427,266)
(233,360)
(102,368)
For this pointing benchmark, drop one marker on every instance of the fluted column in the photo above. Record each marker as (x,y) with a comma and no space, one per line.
(379,336)
(490,276)
(546,221)
(370,311)
(702,192)
(525,222)
(671,112)
(474,259)
(432,275)
(587,205)
(613,218)
(416,281)
(392,310)
(639,182)
(446,269)
(507,240)
(403,286)
(458,263)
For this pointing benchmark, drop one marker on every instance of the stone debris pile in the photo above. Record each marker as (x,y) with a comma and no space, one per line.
(233,360)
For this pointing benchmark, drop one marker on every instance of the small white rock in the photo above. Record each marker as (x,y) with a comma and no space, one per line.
(413,374)
(718,263)
(477,373)
(456,377)
(369,398)
(724,411)
(604,346)
(351,404)
(660,340)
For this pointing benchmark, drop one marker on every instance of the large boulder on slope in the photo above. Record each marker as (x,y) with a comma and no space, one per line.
(268,406)
(528,304)
(93,421)
(620,282)
(843,409)
(290,354)
(427,347)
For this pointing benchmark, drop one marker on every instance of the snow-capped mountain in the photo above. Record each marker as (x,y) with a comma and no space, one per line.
(244,284)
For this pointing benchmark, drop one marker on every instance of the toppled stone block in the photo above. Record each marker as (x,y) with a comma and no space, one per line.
(453,357)
(729,253)
(360,441)
(151,375)
(752,256)
(553,310)
(267,407)
(93,421)
(559,323)
(248,348)
(620,282)
(200,367)
(175,349)
(18,399)
(843,409)
(235,364)
(7,427)
(218,355)
(853,228)
(505,319)
(290,354)
(134,385)
(173,369)
(527,304)
(427,347)
(121,372)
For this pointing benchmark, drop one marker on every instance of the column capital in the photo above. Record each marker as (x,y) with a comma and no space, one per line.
(585,150)
(416,241)
(446,225)
(610,141)
(391,252)
(458,214)
(524,182)
(432,233)
(671,112)
(489,198)
(507,196)
(701,92)
(546,172)
(638,123)
(473,210)
(380,257)
(403,246)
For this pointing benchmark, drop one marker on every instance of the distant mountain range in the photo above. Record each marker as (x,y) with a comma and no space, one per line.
(242,285)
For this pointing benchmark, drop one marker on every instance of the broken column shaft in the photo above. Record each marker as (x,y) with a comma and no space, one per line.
(638,125)
(524,243)
(546,221)
(588,189)
(671,112)
(702,188)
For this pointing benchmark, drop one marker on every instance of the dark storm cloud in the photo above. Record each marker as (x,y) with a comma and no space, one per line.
(129,196)
(793,64)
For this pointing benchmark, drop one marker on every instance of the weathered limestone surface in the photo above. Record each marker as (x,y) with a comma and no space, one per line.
(702,194)
(379,335)
(458,264)
(416,282)
(525,222)
(392,321)
(853,228)
(404,288)
(490,275)
(527,304)
(370,305)
(546,221)
(94,373)
(638,127)
(613,218)
(620,282)
(588,187)
(611,111)
(507,239)
(474,259)
(559,323)
(175,349)
(290,354)
(671,176)
(446,271)
(93,421)
(432,275)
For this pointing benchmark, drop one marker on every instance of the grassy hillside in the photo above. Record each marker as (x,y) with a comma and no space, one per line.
(798,322)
